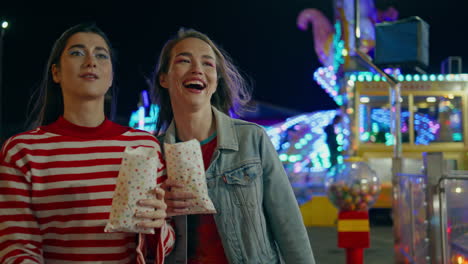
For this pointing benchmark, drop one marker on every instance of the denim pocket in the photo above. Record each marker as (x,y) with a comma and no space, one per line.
(247,223)
(243,183)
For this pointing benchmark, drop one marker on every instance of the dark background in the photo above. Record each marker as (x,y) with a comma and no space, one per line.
(261,36)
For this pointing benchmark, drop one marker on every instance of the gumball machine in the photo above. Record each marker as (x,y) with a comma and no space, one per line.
(353,187)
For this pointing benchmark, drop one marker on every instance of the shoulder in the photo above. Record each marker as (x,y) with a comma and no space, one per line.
(23,140)
(138,135)
(246,126)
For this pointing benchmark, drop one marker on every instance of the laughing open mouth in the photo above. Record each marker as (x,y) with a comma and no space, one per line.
(198,85)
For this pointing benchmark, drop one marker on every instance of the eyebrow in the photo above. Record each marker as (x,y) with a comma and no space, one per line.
(81,46)
(188,54)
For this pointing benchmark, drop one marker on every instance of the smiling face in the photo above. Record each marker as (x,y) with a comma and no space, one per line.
(85,68)
(192,77)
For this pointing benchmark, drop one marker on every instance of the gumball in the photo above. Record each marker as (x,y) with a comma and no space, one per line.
(352,186)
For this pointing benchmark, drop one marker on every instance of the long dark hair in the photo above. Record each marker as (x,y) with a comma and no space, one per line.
(49,105)
(232,93)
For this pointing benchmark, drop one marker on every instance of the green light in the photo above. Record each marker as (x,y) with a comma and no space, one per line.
(5,24)
(377,78)
(457,137)
(408,78)
(360,77)
(365,136)
(432,77)
(375,127)
(440,77)
(401,78)
(352,77)
(283,157)
(424,77)
(369,78)
(416,77)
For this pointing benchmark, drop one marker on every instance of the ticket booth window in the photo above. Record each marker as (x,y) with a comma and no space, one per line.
(375,120)
(438,119)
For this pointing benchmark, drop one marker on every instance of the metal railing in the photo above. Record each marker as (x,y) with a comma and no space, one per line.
(432,224)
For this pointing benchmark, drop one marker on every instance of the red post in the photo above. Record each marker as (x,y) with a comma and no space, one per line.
(353,234)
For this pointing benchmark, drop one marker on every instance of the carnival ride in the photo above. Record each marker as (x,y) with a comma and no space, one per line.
(432,120)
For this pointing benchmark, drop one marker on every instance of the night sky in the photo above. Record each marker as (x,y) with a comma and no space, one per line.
(261,37)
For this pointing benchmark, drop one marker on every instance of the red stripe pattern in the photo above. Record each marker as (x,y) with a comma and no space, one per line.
(56,187)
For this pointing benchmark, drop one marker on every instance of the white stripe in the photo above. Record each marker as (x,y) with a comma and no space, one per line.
(73,184)
(86,250)
(78,210)
(75,223)
(124,261)
(96,236)
(16,198)
(75,170)
(18,236)
(66,157)
(87,144)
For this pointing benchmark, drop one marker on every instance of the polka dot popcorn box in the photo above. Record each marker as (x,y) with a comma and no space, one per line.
(185,165)
(141,171)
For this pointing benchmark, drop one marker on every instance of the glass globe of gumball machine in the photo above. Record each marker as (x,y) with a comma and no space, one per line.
(353,187)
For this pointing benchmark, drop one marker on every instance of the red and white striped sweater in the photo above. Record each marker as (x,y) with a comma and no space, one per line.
(56,187)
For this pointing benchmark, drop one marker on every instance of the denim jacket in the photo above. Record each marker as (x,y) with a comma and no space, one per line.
(257,218)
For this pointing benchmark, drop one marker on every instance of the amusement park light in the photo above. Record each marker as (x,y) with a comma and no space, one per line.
(4,24)
(432,77)
(431,99)
(450,96)
(424,77)
(401,78)
(416,77)
(364,99)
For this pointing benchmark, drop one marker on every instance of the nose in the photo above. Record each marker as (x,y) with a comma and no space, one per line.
(90,62)
(196,68)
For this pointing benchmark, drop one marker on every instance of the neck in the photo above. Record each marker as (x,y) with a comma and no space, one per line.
(87,114)
(197,125)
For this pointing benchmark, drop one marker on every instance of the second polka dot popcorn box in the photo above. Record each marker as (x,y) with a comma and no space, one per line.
(141,172)
(185,165)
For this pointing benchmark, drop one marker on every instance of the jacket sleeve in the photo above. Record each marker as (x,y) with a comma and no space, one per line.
(281,208)
(20,239)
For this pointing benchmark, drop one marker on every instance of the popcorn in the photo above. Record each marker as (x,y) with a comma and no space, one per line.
(185,165)
(140,173)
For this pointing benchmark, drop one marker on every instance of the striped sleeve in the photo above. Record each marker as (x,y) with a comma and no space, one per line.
(166,242)
(20,239)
